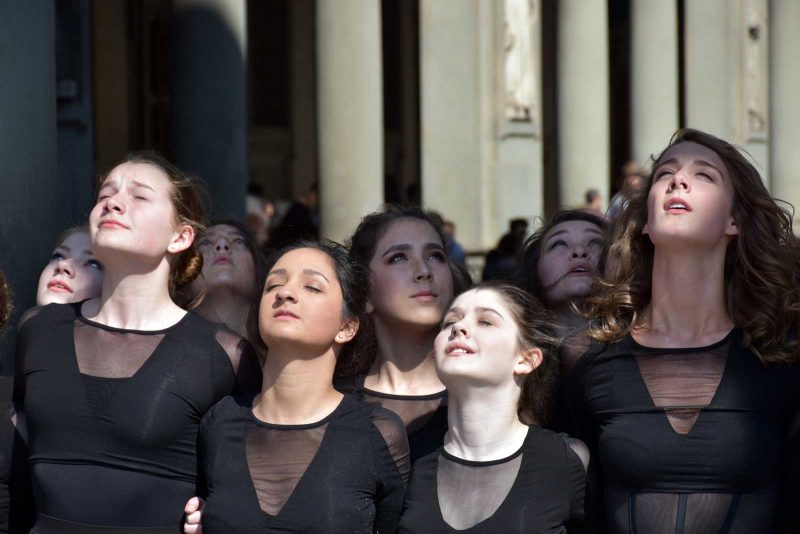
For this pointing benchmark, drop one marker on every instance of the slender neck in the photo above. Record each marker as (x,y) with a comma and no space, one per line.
(567,322)
(483,423)
(297,387)
(228,307)
(404,362)
(688,297)
(135,296)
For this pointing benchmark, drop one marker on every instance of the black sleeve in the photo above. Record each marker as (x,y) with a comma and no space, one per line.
(585,429)
(392,466)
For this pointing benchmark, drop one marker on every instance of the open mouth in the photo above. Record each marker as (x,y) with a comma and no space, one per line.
(676,205)
(455,349)
(59,287)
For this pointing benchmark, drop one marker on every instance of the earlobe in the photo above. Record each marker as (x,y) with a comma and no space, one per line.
(732,228)
(348,331)
(370,308)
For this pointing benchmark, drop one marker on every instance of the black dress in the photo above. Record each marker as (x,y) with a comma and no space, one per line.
(16,500)
(113,415)
(343,474)
(424,416)
(538,489)
(688,440)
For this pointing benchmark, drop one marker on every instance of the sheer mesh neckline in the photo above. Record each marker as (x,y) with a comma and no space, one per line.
(430,396)
(684,350)
(86,320)
(315,424)
(482,463)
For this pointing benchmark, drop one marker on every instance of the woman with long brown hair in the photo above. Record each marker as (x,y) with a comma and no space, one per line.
(113,388)
(688,394)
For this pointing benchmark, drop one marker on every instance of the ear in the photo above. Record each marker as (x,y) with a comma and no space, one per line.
(347,332)
(370,306)
(528,360)
(731,228)
(182,240)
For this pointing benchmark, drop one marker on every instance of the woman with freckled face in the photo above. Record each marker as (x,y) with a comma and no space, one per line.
(233,271)
(496,355)
(113,388)
(557,265)
(73,273)
(690,394)
(411,285)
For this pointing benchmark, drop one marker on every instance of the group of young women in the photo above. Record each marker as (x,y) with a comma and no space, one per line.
(299,392)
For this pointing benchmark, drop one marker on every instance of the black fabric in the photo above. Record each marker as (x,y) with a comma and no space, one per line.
(546,494)
(343,474)
(425,416)
(16,498)
(118,450)
(675,449)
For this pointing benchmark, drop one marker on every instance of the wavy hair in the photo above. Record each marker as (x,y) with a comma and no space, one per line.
(762,263)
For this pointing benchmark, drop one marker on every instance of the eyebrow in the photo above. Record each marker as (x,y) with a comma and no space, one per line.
(310,272)
(141,184)
(405,246)
(703,162)
(63,247)
(490,310)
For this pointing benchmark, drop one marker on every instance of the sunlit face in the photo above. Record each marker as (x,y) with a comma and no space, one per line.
(568,260)
(227,261)
(134,214)
(73,273)
(691,199)
(411,280)
(478,342)
(302,303)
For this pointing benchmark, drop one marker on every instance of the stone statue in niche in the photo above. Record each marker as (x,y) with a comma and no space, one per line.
(755,69)
(520,87)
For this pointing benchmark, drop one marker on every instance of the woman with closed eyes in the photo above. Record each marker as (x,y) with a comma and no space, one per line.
(690,396)
(113,388)
(300,456)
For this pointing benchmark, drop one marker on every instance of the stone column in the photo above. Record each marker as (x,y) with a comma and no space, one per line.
(209,97)
(350,111)
(451,114)
(583,114)
(708,67)
(654,76)
(31,210)
(785,112)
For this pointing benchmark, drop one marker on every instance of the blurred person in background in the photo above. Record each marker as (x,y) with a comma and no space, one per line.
(73,273)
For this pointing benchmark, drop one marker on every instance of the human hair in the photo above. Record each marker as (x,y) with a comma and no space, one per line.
(72,230)
(353,280)
(5,300)
(762,263)
(526,269)
(362,248)
(591,195)
(188,205)
(536,330)
(259,261)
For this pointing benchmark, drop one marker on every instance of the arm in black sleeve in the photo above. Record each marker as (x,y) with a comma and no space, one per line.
(392,467)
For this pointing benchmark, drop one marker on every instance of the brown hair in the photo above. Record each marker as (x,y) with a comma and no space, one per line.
(762,263)
(5,300)
(187,202)
(536,330)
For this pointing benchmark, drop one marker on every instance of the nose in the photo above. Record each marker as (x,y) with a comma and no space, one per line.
(284,294)
(579,251)
(113,203)
(222,245)
(423,272)
(66,267)
(680,182)
(459,329)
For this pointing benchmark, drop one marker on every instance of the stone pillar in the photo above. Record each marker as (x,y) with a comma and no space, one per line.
(785,112)
(350,112)
(451,116)
(31,210)
(583,114)
(654,76)
(209,96)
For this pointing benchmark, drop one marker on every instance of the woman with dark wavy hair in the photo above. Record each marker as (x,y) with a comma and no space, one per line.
(113,388)
(496,353)
(688,395)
